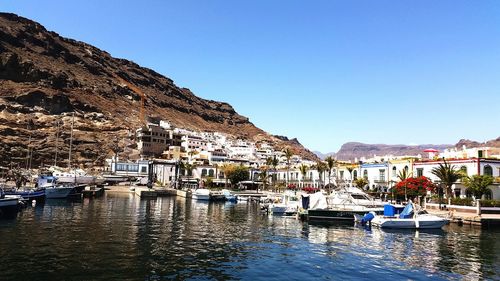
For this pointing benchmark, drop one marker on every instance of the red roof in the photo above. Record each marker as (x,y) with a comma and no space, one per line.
(431,150)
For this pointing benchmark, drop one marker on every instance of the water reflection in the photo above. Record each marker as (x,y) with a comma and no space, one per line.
(122,237)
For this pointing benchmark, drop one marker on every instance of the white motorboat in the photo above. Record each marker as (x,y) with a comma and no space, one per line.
(208,195)
(201,194)
(342,205)
(412,217)
(75,176)
(286,204)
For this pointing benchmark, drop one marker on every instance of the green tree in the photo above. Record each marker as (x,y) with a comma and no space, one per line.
(404,174)
(303,170)
(226,169)
(321,167)
(238,174)
(274,163)
(447,175)
(360,182)
(477,184)
(288,155)
(264,176)
(330,163)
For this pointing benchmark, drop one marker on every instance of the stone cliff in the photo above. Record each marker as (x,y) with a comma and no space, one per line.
(44,78)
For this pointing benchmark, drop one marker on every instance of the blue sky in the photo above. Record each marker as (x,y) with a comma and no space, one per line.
(326,72)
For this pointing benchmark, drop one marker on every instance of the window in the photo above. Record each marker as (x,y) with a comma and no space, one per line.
(394,174)
(479,153)
(354,174)
(204,172)
(420,172)
(381,173)
(365,174)
(211,173)
(341,174)
(488,170)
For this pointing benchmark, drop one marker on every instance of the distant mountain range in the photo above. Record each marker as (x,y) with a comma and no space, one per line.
(352,150)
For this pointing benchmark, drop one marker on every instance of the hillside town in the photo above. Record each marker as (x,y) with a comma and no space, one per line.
(177,157)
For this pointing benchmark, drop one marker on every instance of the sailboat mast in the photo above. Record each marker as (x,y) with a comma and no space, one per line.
(57,142)
(71,139)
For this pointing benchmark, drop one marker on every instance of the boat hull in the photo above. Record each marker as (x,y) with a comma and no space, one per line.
(77,179)
(37,195)
(336,215)
(58,192)
(9,207)
(410,223)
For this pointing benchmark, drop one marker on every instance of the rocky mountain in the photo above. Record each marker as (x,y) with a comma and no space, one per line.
(470,144)
(352,150)
(45,77)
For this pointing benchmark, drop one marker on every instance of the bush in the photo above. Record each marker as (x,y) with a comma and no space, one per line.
(490,203)
(462,201)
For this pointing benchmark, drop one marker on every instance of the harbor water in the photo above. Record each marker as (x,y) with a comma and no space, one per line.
(121,237)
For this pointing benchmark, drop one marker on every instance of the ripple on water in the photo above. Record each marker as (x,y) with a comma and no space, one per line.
(121,237)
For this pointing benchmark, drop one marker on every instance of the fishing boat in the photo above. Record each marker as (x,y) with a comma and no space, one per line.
(30,194)
(412,217)
(53,190)
(9,205)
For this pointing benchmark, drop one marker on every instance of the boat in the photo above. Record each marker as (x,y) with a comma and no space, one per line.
(9,205)
(286,203)
(30,194)
(76,177)
(229,197)
(412,217)
(208,195)
(341,205)
(52,189)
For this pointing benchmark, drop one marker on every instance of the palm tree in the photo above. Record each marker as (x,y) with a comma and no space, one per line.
(264,176)
(274,163)
(321,167)
(288,154)
(448,175)
(478,184)
(404,174)
(226,168)
(330,162)
(350,169)
(303,170)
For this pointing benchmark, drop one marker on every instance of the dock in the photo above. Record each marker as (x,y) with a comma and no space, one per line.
(468,218)
(93,191)
(145,192)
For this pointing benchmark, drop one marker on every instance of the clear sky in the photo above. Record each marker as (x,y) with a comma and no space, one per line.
(326,72)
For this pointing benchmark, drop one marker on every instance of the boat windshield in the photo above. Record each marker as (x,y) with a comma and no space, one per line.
(359,196)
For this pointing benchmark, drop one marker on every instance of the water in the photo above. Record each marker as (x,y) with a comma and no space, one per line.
(119,237)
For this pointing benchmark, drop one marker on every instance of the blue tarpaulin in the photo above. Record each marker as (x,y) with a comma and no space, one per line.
(407,212)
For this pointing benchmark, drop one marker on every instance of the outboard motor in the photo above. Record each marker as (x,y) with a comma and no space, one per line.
(367,218)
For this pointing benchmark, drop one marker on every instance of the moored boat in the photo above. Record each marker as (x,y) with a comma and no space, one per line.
(343,205)
(37,194)
(52,189)
(412,217)
(285,204)
(9,205)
